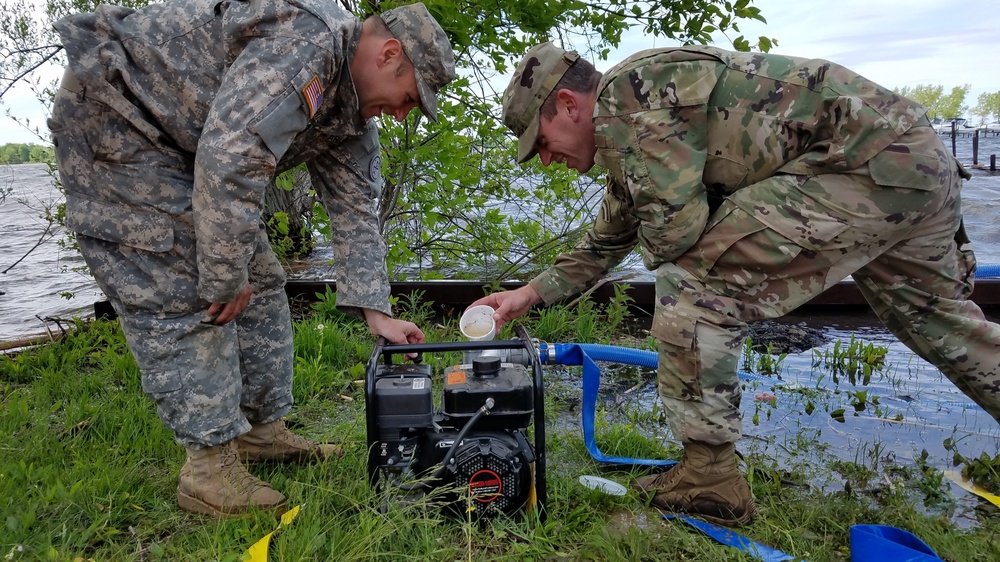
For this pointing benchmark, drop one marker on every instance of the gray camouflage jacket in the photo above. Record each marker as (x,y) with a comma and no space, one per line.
(248,90)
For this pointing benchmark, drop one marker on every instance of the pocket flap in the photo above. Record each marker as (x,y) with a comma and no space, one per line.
(673,328)
(905,169)
(130,226)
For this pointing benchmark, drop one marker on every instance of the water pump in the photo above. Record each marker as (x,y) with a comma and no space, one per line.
(478,453)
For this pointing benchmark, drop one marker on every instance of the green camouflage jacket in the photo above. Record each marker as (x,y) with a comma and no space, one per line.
(679,128)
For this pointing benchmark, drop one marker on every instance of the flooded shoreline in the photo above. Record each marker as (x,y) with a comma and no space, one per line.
(908,416)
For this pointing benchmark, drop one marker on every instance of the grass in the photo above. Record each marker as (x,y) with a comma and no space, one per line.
(87,472)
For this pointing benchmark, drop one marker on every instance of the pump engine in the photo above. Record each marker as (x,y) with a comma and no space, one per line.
(474,450)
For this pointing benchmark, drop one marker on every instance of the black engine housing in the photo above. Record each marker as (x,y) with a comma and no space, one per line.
(473,453)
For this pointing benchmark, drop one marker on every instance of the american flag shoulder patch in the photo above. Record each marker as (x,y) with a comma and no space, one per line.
(313,94)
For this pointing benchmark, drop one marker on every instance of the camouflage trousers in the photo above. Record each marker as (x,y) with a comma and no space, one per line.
(208,381)
(905,249)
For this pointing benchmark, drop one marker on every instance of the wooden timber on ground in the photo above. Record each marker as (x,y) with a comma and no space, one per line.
(842,297)
(28,341)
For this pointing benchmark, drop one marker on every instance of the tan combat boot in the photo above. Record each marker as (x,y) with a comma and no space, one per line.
(274,442)
(706,483)
(214,482)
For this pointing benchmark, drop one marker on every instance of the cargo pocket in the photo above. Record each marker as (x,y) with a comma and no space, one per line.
(158,382)
(679,367)
(904,169)
(803,210)
(129,226)
(722,174)
(166,389)
(725,227)
(152,340)
(738,249)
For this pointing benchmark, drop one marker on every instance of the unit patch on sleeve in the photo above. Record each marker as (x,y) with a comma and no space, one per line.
(313,94)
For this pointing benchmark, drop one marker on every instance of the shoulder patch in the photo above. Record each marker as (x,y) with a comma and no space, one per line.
(313,94)
(375,168)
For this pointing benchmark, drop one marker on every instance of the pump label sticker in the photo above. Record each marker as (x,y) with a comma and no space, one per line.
(485,486)
(456,377)
(418,384)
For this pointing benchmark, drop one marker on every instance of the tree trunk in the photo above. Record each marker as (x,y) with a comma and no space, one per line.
(297,205)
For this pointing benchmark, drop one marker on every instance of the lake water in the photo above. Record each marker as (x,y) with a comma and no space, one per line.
(32,286)
(32,281)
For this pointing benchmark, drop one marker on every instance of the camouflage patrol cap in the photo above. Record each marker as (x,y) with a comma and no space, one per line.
(535,78)
(427,47)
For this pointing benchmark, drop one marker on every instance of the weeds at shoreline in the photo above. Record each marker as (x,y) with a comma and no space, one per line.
(858,360)
(88,472)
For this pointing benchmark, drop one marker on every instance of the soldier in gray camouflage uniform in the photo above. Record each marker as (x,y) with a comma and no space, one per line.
(752,183)
(170,123)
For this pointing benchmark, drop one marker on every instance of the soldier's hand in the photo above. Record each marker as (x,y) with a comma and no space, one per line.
(225,312)
(510,304)
(393,329)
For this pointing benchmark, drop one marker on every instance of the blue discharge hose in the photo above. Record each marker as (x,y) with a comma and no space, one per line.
(585,354)
(987,271)
(625,356)
(580,354)
(869,543)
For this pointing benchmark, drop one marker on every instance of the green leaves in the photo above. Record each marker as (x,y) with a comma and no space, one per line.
(24,153)
(455,200)
(939,104)
(987,105)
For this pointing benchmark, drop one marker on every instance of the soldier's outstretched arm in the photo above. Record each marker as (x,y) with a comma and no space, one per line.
(510,304)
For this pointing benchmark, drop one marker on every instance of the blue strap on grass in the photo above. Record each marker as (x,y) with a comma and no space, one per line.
(869,543)
(735,540)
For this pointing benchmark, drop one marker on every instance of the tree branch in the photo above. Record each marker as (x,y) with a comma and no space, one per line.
(41,240)
(32,68)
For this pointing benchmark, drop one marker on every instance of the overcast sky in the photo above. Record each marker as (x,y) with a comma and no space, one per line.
(893,42)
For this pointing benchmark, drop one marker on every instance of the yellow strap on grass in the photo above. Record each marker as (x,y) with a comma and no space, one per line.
(258,552)
(956,477)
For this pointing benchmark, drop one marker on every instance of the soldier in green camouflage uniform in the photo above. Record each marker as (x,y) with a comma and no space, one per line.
(752,183)
(170,123)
